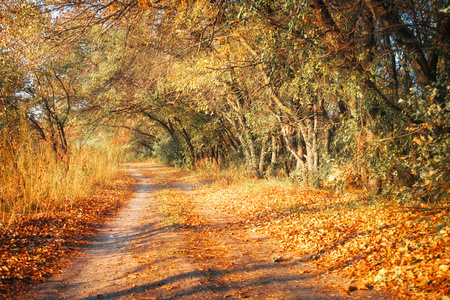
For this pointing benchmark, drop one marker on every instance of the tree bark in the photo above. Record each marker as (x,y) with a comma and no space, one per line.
(262,156)
(405,38)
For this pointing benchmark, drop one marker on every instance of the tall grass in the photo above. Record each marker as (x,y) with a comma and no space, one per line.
(34,178)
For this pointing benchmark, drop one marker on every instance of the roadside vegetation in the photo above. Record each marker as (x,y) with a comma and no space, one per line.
(36,245)
(321,98)
(403,250)
(36,179)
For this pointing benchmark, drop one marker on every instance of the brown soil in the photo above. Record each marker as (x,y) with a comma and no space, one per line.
(137,255)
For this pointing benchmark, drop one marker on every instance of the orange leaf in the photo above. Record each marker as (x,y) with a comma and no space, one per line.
(362,286)
(349,288)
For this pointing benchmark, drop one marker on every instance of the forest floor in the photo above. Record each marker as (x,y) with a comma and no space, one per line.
(185,236)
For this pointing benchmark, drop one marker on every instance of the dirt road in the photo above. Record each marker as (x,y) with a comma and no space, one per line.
(137,255)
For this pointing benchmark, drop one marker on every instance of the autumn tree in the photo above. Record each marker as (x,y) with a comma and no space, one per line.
(343,84)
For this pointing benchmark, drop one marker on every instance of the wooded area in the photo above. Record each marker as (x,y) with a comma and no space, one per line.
(328,93)
(342,95)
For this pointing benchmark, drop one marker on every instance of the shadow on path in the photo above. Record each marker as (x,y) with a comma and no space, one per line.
(137,256)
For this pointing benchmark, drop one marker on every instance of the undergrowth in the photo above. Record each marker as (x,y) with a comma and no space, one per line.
(36,178)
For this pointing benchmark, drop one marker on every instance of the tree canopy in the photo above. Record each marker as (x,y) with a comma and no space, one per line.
(328,93)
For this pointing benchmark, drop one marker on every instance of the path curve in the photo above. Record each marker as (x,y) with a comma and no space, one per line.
(137,256)
(131,255)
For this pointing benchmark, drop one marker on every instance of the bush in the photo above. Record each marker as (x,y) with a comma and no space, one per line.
(168,151)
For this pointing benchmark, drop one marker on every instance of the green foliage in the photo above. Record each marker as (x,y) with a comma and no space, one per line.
(197,82)
(136,152)
(408,153)
(423,155)
(169,151)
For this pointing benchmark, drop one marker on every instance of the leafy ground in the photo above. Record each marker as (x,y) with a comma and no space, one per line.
(165,245)
(399,249)
(402,249)
(33,248)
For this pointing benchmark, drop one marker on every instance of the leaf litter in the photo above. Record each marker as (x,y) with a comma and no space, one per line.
(400,249)
(36,246)
(403,250)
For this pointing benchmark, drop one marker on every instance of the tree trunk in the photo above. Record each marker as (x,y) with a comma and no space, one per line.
(310,138)
(187,140)
(262,156)
(273,158)
(405,38)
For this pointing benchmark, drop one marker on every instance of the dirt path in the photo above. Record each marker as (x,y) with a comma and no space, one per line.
(138,256)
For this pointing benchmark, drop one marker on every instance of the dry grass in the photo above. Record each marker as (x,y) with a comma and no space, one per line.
(36,246)
(33,178)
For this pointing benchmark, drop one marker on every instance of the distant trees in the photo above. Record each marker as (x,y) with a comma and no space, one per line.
(330,93)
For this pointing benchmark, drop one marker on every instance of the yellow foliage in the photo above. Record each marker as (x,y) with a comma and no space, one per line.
(143,4)
(34,178)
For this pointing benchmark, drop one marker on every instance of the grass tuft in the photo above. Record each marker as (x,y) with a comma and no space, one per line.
(34,178)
